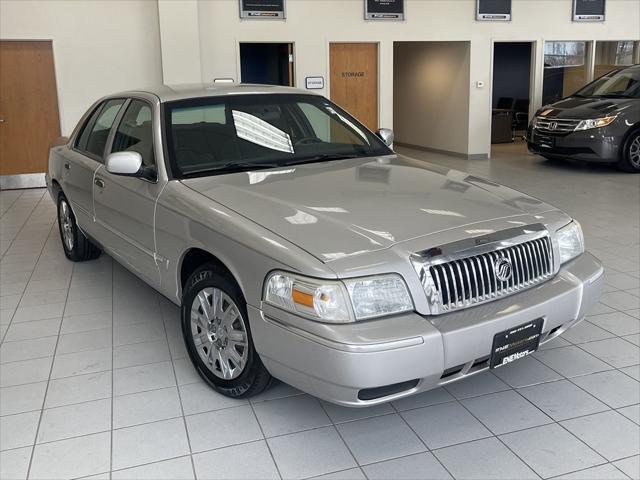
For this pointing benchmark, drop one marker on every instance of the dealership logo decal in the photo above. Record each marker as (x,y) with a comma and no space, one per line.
(503,269)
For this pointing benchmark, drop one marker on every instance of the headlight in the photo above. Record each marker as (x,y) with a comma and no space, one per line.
(337,301)
(534,122)
(595,123)
(570,241)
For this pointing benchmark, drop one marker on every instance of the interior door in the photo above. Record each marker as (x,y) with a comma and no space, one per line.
(125,206)
(354,80)
(28,107)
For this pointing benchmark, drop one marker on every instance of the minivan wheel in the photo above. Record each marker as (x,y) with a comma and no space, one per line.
(630,158)
(77,247)
(216,331)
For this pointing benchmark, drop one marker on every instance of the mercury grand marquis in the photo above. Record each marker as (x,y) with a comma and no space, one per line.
(300,247)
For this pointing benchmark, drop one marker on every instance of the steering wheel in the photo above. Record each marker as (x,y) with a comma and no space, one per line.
(307,140)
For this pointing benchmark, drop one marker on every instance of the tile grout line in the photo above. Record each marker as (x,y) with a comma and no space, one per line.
(46,390)
(112,370)
(175,378)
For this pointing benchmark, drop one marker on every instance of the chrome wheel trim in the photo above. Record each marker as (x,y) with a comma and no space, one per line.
(219,333)
(634,152)
(66,224)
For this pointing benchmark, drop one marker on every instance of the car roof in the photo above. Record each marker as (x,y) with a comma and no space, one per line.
(168,93)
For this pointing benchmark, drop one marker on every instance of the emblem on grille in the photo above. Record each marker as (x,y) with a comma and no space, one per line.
(503,269)
(553,125)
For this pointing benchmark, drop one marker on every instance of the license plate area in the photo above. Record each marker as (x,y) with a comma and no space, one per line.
(515,343)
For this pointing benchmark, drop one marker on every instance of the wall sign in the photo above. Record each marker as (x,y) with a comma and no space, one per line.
(588,10)
(384,9)
(493,10)
(314,83)
(262,9)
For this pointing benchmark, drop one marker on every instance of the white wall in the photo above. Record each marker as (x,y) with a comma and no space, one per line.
(312,24)
(103,46)
(431,95)
(99,47)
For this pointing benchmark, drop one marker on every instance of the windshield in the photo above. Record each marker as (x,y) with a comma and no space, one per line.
(209,136)
(619,84)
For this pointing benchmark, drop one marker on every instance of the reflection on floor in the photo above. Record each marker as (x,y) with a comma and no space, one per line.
(94,376)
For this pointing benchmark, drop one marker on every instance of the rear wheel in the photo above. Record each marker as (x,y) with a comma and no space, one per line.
(77,247)
(217,334)
(630,156)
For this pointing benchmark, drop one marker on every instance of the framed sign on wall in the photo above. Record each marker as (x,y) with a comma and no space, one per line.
(493,10)
(588,10)
(262,9)
(384,9)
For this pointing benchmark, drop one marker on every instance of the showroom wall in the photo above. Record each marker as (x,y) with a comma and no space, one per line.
(99,47)
(431,95)
(197,40)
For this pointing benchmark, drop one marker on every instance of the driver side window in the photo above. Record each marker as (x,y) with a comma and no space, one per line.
(135,132)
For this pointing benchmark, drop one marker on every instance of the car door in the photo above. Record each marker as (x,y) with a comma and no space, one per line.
(125,205)
(86,156)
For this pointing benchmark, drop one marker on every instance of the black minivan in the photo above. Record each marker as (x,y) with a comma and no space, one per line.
(599,123)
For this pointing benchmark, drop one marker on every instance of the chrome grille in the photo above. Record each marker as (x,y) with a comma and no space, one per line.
(556,125)
(469,278)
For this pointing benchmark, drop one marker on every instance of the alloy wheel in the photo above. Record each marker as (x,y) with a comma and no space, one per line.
(219,333)
(66,224)
(634,152)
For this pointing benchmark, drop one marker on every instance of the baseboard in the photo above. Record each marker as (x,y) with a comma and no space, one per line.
(23,180)
(465,156)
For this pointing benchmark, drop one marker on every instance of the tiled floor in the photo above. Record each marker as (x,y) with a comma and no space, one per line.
(94,378)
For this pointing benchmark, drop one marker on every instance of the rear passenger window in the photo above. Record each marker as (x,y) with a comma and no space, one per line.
(135,132)
(96,131)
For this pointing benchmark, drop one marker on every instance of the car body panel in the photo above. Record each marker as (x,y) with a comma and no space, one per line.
(330,220)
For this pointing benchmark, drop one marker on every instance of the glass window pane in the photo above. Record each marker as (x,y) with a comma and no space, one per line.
(135,132)
(612,55)
(565,69)
(100,131)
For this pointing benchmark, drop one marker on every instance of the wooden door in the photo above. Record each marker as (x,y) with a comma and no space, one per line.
(29,119)
(354,80)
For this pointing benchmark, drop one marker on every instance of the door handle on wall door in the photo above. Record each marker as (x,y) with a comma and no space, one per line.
(99,182)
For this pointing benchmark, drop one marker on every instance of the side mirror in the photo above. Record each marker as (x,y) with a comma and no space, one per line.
(386,135)
(124,163)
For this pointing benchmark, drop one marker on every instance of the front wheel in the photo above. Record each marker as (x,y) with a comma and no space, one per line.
(630,155)
(216,330)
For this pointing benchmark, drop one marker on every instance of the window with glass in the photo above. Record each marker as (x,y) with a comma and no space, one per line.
(95,133)
(617,84)
(215,135)
(613,55)
(135,132)
(565,69)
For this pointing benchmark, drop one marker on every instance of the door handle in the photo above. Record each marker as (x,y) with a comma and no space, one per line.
(67,166)
(2,120)
(99,182)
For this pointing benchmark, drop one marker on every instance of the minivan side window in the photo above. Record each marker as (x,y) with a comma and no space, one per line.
(96,131)
(135,133)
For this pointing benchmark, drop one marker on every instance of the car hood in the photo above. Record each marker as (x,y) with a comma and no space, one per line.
(582,108)
(350,207)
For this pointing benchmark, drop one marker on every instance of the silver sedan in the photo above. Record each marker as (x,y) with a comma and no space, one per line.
(301,247)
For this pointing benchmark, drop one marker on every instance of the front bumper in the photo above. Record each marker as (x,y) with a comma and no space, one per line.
(339,362)
(596,145)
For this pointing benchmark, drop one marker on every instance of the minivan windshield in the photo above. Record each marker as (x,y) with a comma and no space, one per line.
(214,135)
(619,84)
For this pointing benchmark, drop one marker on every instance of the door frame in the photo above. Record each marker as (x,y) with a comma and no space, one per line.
(328,69)
(33,180)
(535,82)
(239,58)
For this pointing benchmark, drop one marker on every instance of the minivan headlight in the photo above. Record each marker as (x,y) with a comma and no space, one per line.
(337,301)
(570,241)
(595,123)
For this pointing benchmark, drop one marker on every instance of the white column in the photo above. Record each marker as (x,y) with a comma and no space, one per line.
(180,41)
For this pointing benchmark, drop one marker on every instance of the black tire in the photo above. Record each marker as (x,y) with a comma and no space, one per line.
(630,154)
(76,246)
(253,377)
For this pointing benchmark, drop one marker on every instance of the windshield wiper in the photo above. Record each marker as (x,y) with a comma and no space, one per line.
(234,167)
(613,95)
(324,157)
